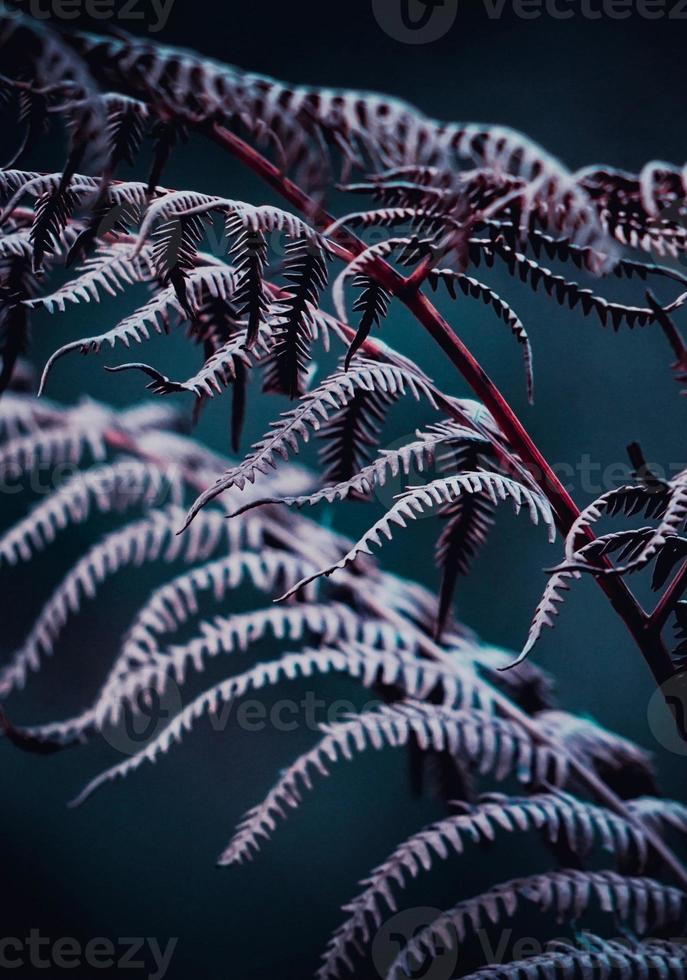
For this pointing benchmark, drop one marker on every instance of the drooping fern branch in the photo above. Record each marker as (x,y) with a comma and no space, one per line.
(380,641)
(453,198)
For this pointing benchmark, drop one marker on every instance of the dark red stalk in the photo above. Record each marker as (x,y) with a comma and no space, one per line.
(640,626)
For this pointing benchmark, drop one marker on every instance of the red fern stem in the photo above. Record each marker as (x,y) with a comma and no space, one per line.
(566,511)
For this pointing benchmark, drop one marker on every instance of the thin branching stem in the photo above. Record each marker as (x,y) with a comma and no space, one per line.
(405,289)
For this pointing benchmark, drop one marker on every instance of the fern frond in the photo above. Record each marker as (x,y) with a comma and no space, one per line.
(468,523)
(644,903)
(572,294)
(446,699)
(21,415)
(330,622)
(373,304)
(598,747)
(625,546)
(41,186)
(149,669)
(82,433)
(598,957)
(618,198)
(55,68)
(477,290)
(53,211)
(546,612)
(178,216)
(222,368)
(651,501)
(115,487)
(175,248)
(640,546)
(156,316)
(124,201)
(12,181)
(174,603)
(127,121)
(169,607)
(391,463)
(422,220)
(414,503)
(110,271)
(302,122)
(436,728)
(116,211)
(166,207)
(351,435)
(151,539)
(548,187)
(672,520)
(267,218)
(315,408)
(557,815)
(305,270)
(249,253)
(16,243)
(587,259)
(368,665)
(241,217)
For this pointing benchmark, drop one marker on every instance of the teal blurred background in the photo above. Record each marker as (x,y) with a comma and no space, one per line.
(138,859)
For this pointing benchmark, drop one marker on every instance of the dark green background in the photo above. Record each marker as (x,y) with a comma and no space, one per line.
(138,859)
